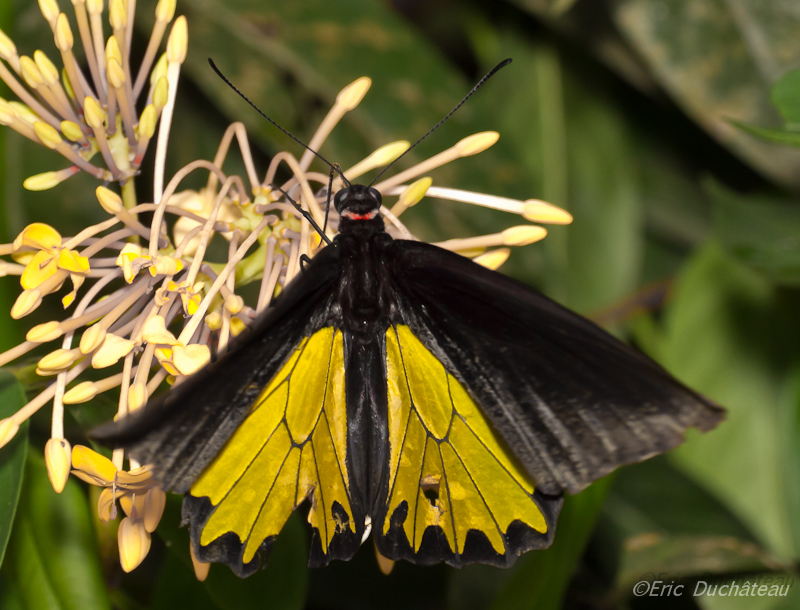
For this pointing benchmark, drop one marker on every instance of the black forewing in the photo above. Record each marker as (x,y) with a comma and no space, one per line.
(181,432)
(571,401)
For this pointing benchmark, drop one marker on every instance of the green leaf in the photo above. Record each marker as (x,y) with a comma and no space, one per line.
(666,524)
(282,582)
(579,154)
(52,556)
(786,97)
(718,60)
(761,231)
(12,457)
(721,331)
(540,578)
(777,136)
(785,597)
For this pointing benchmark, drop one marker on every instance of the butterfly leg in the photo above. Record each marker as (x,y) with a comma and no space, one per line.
(304,260)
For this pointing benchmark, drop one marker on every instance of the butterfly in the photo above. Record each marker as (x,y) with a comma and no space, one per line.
(401,390)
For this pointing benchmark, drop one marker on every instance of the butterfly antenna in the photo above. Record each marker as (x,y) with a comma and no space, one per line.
(259,111)
(481,82)
(305,214)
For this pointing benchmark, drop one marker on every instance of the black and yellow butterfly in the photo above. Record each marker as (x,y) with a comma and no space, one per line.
(406,391)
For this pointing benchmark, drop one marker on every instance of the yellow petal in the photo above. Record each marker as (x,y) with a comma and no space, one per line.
(57,460)
(133,505)
(155,331)
(237,326)
(134,543)
(38,235)
(154,502)
(93,464)
(71,261)
(41,267)
(106,510)
(191,358)
(114,347)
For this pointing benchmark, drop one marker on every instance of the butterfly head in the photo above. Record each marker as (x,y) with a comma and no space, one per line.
(358,202)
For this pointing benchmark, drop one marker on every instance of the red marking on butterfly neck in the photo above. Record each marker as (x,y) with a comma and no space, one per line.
(354,216)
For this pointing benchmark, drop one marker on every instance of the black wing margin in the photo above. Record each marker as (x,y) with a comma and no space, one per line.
(571,401)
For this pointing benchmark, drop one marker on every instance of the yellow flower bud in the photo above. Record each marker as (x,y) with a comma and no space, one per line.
(47,134)
(165,10)
(57,360)
(43,182)
(64,38)
(178,42)
(200,569)
(57,459)
(109,200)
(8,429)
(351,96)
(71,130)
(92,338)
(46,67)
(472,145)
(49,9)
(26,302)
(494,259)
(147,122)
(161,93)
(30,72)
(112,49)
(541,211)
(94,114)
(137,396)
(8,49)
(117,14)
(116,75)
(83,392)
(42,333)
(214,320)
(134,543)
(523,235)
(95,7)
(234,303)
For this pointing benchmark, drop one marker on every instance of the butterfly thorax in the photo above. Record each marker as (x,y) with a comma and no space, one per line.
(363,296)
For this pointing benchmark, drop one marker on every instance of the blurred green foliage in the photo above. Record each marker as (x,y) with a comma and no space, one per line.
(662,126)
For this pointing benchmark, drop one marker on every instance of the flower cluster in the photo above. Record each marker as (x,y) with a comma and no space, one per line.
(146,304)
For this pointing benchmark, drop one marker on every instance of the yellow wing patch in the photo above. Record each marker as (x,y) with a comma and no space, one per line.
(445,459)
(291,446)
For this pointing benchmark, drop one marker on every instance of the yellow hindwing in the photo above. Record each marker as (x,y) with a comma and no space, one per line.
(441,443)
(291,446)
